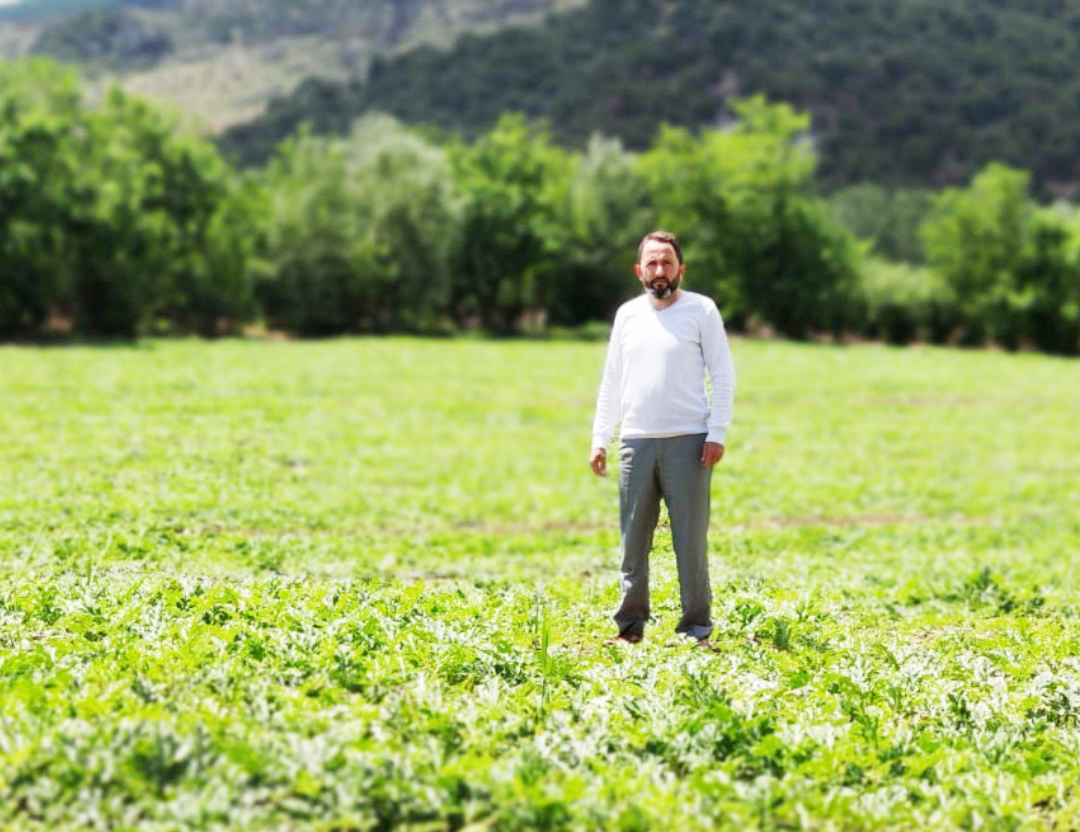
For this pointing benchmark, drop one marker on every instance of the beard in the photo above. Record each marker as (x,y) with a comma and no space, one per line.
(664,291)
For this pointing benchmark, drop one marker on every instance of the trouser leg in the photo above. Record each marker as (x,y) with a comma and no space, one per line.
(639,510)
(685,485)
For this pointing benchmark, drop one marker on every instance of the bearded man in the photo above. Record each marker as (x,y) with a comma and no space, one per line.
(671,432)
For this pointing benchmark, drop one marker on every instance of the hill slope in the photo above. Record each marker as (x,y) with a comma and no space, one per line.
(220,62)
(37,11)
(902,91)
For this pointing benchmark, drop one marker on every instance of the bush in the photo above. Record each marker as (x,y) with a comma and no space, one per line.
(1047,296)
(975,239)
(901,303)
(1013,267)
(887,219)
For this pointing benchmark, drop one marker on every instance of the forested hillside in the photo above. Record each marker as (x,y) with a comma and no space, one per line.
(220,61)
(901,91)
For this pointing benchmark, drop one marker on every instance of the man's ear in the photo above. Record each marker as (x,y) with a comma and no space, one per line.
(637,270)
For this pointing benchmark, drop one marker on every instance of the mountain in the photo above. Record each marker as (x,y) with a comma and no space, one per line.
(28,11)
(220,61)
(902,92)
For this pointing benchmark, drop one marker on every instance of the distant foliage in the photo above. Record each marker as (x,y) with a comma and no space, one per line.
(919,93)
(109,37)
(1014,268)
(115,223)
(332,111)
(385,22)
(360,234)
(888,218)
(37,10)
(759,241)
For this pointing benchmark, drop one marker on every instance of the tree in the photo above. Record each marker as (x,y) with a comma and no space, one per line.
(154,231)
(40,114)
(1048,281)
(741,200)
(320,270)
(413,213)
(515,182)
(111,216)
(608,213)
(975,239)
(107,37)
(360,233)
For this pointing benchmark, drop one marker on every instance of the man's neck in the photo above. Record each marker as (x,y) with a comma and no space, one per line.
(663,303)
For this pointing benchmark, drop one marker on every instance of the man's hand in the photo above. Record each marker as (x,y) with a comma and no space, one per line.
(712,453)
(598,461)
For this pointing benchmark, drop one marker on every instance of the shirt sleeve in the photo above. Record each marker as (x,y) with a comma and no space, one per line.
(608,405)
(717,354)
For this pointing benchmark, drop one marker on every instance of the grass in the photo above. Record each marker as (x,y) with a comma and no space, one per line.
(364,584)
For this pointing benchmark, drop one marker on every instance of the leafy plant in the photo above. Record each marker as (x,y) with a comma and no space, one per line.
(232,595)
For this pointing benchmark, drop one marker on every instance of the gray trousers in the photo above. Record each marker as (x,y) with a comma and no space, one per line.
(671,469)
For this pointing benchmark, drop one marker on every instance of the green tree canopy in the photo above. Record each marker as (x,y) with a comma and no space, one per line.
(111,215)
(757,240)
(515,183)
(360,233)
(975,238)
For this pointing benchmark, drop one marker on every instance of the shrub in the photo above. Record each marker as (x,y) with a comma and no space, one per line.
(901,303)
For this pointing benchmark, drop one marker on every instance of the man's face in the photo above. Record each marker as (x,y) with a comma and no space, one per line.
(659,269)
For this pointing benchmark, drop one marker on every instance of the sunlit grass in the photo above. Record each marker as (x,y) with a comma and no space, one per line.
(363,582)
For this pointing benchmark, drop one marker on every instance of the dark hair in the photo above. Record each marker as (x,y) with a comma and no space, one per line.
(661,237)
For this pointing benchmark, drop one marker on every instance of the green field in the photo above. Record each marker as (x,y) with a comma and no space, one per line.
(364,584)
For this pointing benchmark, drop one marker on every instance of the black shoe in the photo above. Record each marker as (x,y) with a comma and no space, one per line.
(624,638)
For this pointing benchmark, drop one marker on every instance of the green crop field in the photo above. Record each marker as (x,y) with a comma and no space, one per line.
(365,584)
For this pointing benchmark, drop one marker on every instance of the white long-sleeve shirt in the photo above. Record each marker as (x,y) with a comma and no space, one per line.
(654,375)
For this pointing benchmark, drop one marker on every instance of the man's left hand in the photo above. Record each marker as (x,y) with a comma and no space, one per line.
(712,453)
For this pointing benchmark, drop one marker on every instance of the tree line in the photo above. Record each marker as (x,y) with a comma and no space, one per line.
(115,223)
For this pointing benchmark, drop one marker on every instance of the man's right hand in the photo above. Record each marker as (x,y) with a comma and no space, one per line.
(598,461)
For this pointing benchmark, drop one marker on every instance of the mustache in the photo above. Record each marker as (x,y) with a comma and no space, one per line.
(669,286)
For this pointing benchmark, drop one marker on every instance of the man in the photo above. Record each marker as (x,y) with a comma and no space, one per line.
(662,344)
